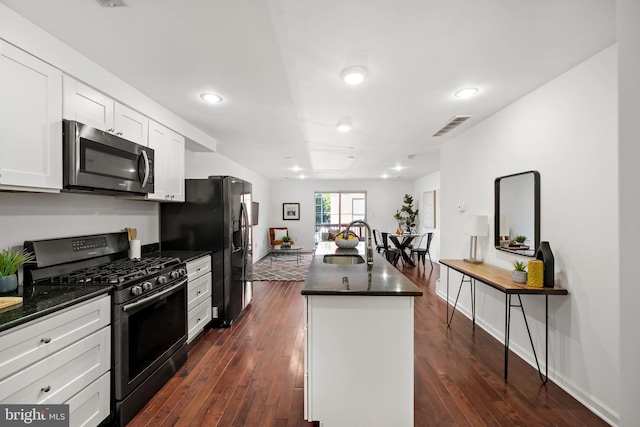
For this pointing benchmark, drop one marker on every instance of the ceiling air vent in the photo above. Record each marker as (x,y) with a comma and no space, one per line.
(111,3)
(452,124)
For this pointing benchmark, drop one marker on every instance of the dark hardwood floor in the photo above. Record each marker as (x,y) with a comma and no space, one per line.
(252,373)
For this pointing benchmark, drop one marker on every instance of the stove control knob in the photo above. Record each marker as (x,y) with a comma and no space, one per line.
(147,286)
(161,280)
(136,290)
(182,271)
(174,274)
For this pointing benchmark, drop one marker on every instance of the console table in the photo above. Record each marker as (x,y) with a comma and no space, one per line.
(500,279)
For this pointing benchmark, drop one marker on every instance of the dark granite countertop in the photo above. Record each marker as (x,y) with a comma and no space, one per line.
(329,279)
(40,300)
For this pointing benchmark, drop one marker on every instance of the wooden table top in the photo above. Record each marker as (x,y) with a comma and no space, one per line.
(498,278)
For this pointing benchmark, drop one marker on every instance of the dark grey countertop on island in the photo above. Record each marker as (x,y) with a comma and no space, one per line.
(329,279)
(41,300)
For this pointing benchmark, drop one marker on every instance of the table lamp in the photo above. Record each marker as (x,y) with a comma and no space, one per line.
(475,226)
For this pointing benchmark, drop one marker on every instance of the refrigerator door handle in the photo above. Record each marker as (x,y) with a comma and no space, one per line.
(244,226)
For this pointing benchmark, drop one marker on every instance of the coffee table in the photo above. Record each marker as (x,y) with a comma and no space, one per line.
(293,250)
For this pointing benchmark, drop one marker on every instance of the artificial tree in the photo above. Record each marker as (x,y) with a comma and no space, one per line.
(406,215)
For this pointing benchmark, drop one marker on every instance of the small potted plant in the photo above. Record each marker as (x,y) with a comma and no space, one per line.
(520,239)
(10,262)
(286,242)
(519,273)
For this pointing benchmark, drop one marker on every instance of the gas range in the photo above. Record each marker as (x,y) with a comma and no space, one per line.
(100,259)
(149,317)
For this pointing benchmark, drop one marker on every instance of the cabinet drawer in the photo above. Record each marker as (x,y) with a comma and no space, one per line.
(60,376)
(91,406)
(23,346)
(198,290)
(198,267)
(198,318)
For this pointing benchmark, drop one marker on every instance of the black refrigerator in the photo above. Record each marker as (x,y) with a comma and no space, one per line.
(215,217)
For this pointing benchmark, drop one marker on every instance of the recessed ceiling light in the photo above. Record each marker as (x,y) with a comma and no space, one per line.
(343,126)
(398,168)
(211,98)
(295,168)
(353,75)
(385,176)
(467,92)
(302,177)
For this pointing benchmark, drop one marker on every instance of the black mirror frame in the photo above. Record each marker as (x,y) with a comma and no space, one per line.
(536,207)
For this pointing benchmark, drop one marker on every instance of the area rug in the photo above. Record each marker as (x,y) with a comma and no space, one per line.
(283,268)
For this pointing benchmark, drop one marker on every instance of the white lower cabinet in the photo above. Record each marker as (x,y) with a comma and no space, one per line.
(198,296)
(358,360)
(64,357)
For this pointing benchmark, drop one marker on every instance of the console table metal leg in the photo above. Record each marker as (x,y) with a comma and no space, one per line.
(507,325)
(465,278)
(473,302)
(544,378)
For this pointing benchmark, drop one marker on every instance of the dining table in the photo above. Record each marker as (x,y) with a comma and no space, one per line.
(402,242)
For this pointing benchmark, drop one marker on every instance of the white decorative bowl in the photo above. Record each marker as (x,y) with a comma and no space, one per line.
(347,244)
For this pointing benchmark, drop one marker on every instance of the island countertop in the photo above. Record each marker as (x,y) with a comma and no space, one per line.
(339,279)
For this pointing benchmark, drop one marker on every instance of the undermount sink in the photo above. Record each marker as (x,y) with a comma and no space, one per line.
(343,259)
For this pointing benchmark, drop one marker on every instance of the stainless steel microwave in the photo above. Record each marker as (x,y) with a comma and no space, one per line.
(100,162)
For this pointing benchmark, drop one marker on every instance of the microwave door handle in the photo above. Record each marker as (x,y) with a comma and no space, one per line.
(146,168)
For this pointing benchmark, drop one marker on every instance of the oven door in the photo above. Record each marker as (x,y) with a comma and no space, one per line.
(98,161)
(147,332)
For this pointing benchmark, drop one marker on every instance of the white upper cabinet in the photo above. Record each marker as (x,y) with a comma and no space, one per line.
(30,122)
(93,108)
(168,149)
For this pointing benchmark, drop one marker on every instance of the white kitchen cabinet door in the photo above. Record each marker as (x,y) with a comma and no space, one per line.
(168,149)
(87,105)
(175,169)
(131,125)
(158,141)
(30,122)
(93,108)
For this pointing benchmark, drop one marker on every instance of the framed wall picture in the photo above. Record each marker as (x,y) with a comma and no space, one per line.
(429,209)
(291,211)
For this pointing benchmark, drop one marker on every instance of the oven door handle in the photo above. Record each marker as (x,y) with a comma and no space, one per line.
(152,299)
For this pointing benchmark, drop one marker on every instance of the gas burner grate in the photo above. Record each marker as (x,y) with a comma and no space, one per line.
(117,272)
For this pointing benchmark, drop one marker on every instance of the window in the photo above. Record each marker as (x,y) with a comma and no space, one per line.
(334,211)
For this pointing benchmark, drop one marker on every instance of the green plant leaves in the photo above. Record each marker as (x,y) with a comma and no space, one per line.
(11,261)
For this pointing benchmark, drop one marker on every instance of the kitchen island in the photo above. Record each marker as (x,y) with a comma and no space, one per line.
(358,342)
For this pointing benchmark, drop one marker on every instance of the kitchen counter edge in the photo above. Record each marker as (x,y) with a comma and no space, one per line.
(329,279)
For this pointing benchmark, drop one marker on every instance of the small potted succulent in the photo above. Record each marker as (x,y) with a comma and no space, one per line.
(10,262)
(519,273)
(520,239)
(286,242)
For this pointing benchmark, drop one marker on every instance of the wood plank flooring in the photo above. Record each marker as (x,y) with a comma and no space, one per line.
(252,373)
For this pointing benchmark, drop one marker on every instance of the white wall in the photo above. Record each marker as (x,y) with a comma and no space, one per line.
(428,183)
(629,230)
(202,165)
(37,216)
(384,197)
(567,130)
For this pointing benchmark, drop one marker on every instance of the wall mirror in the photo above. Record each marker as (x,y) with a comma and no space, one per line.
(517,213)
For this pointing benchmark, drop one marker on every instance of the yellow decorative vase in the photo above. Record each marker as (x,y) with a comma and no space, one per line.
(536,274)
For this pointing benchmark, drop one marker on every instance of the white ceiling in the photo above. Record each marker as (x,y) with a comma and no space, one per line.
(277,65)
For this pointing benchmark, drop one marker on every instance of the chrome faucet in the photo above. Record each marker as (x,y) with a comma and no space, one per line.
(369,244)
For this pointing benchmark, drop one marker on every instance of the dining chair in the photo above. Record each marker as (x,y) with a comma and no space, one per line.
(422,251)
(392,254)
(377,237)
